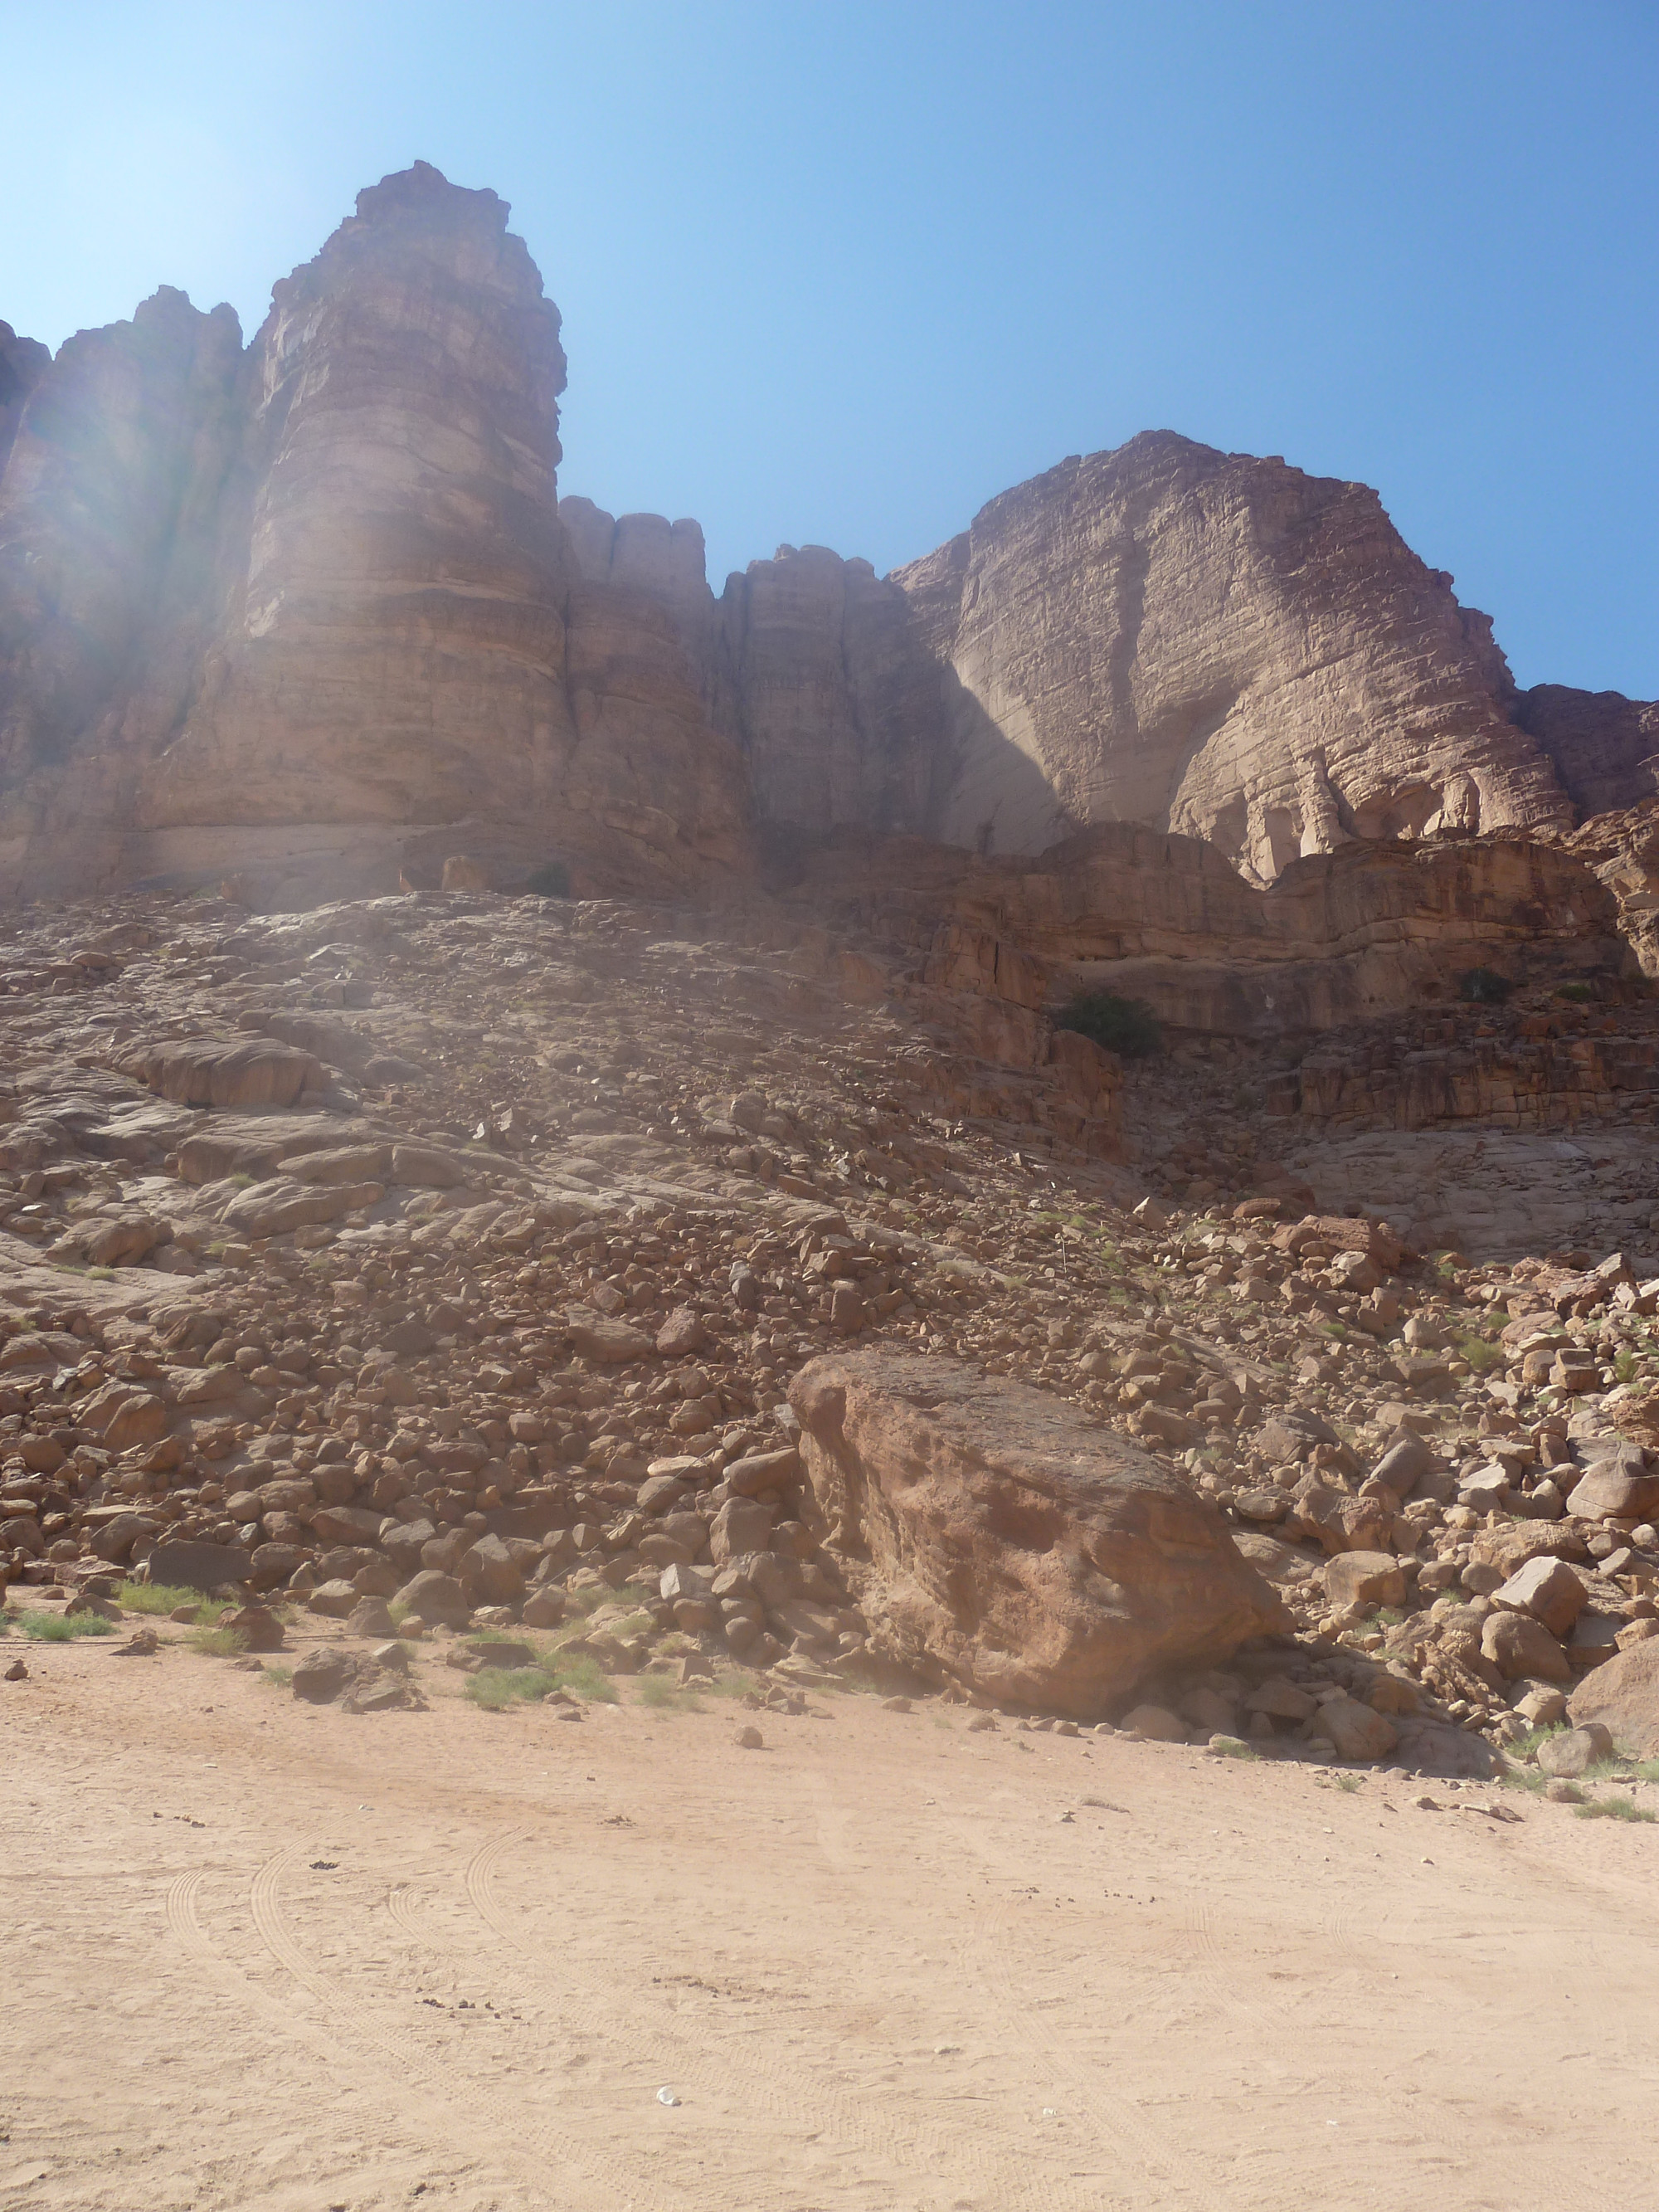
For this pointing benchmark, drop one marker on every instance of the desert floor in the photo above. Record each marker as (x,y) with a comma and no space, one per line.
(269,1956)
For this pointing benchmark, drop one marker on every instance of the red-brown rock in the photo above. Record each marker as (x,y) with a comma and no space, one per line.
(1000,1539)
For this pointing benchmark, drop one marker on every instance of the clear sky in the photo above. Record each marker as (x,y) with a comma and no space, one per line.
(840,273)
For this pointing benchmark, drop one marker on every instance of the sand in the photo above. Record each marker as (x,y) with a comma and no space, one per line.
(268,1956)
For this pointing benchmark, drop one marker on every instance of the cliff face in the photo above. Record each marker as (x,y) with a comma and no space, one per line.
(1604,747)
(1218,645)
(289,611)
(312,613)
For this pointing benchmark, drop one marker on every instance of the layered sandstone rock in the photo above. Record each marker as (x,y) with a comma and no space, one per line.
(1604,747)
(1002,1540)
(310,617)
(1215,644)
(296,613)
(1340,937)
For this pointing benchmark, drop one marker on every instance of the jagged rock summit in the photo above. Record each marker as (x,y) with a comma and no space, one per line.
(310,615)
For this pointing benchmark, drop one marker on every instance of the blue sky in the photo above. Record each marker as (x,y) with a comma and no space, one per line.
(841,273)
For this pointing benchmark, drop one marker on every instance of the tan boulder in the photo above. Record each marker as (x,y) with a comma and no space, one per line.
(1354,1731)
(1001,1539)
(198,1071)
(1365,1578)
(1622,1693)
(1521,1647)
(273,1208)
(1548,1591)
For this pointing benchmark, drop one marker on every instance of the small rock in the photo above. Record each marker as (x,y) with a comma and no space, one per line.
(749,1738)
(17,1672)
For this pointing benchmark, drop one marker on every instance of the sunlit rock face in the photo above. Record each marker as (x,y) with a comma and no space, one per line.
(1219,645)
(277,610)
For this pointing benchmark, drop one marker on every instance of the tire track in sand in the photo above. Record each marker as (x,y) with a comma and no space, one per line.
(516,2128)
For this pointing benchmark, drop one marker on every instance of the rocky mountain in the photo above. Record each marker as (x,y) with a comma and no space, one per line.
(310,614)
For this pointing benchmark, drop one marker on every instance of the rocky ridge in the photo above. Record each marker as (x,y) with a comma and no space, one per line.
(300,615)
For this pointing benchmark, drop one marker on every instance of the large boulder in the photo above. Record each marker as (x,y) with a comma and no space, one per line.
(1000,1539)
(201,1072)
(185,1564)
(1622,1695)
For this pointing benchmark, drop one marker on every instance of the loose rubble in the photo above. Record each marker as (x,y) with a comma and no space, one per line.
(441,1264)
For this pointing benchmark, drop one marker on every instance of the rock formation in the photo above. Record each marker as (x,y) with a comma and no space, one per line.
(297,615)
(1003,1541)
(1221,645)
(23,362)
(1604,747)
(284,610)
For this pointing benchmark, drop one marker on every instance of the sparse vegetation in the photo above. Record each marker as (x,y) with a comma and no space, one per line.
(63,1627)
(1578,994)
(1612,1808)
(1479,1354)
(168,1598)
(1128,1027)
(665,1695)
(218,1642)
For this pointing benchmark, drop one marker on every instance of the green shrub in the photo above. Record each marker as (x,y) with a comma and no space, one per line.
(1579,993)
(218,1642)
(551,880)
(168,1598)
(63,1627)
(1484,987)
(1612,1808)
(1126,1026)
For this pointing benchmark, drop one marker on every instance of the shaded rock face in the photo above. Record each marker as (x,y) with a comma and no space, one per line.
(278,613)
(1604,747)
(1007,1543)
(23,362)
(1339,938)
(807,663)
(1219,645)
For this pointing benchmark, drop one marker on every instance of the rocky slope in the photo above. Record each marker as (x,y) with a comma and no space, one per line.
(475,1253)
(292,614)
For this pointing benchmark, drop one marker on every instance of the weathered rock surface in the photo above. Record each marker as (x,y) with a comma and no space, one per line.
(1622,1695)
(310,616)
(1219,645)
(1603,746)
(286,613)
(1010,1545)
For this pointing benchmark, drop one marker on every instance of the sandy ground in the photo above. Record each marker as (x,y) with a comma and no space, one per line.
(260,1956)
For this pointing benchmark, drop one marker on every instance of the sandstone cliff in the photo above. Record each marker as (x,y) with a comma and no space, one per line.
(302,614)
(312,615)
(1604,747)
(1219,645)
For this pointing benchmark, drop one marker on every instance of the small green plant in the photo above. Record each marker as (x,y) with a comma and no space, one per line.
(280,1678)
(550,880)
(218,1642)
(1349,1782)
(1578,994)
(168,1598)
(1479,1354)
(1623,1365)
(1128,1027)
(1483,986)
(63,1627)
(663,1694)
(1612,1808)
(737,1684)
(1235,1749)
